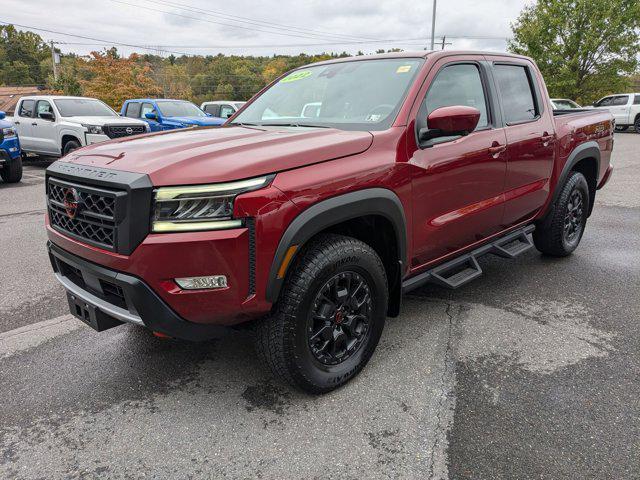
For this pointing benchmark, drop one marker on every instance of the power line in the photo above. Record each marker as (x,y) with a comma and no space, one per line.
(251,21)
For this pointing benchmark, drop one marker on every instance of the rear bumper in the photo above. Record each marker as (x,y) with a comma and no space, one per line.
(123,297)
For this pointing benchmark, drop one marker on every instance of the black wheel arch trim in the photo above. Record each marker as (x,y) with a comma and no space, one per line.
(335,210)
(585,150)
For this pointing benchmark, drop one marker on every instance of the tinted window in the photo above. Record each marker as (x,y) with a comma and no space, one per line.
(605,102)
(518,100)
(26,108)
(212,109)
(146,108)
(133,110)
(83,107)
(458,85)
(636,101)
(226,111)
(620,100)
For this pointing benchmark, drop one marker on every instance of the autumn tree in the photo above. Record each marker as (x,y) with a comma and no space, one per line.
(584,48)
(114,79)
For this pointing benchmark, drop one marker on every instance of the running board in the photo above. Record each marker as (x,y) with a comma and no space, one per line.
(465,268)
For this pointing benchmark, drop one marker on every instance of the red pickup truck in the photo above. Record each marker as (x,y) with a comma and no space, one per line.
(337,188)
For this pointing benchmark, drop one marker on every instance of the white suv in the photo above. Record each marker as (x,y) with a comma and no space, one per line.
(624,107)
(55,125)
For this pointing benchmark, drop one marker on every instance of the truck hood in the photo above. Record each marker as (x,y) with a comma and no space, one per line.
(199,121)
(104,120)
(209,155)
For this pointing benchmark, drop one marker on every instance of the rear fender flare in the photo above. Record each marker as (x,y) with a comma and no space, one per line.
(335,210)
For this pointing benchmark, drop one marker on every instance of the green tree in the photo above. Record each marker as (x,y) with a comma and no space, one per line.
(584,48)
(24,58)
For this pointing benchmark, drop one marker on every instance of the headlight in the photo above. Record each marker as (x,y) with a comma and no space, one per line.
(96,129)
(8,132)
(200,207)
(147,127)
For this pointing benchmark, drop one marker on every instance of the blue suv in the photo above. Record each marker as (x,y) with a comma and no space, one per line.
(10,154)
(167,114)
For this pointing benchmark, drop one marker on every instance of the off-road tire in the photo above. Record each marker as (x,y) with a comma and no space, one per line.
(636,124)
(11,172)
(621,128)
(70,146)
(283,340)
(550,236)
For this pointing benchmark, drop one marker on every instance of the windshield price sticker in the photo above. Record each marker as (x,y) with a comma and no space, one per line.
(296,76)
(403,69)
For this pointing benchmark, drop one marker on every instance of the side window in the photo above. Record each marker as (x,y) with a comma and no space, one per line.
(26,108)
(212,109)
(636,101)
(620,100)
(458,85)
(226,111)
(146,108)
(133,110)
(43,106)
(516,92)
(605,102)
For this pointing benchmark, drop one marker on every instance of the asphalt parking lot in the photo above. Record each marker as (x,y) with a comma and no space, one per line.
(529,372)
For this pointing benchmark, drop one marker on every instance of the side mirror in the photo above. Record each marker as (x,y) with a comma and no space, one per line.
(46,116)
(450,121)
(208,114)
(2,114)
(151,116)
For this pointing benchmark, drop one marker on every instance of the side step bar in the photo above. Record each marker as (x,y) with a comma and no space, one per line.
(465,268)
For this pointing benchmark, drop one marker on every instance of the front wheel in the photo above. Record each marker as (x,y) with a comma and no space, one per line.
(12,171)
(70,146)
(636,124)
(330,315)
(560,233)
(621,128)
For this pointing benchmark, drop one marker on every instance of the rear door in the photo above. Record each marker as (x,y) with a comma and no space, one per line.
(530,138)
(23,120)
(457,182)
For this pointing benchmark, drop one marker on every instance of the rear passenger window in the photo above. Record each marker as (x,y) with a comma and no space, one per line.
(458,85)
(212,109)
(516,92)
(26,108)
(133,110)
(636,101)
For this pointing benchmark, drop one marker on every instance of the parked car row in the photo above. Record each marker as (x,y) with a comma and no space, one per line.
(10,153)
(625,108)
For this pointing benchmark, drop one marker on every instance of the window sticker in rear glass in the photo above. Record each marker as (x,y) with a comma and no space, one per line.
(296,76)
(403,69)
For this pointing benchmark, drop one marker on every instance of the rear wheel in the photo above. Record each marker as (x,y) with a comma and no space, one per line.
(560,233)
(330,316)
(636,124)
(12,171)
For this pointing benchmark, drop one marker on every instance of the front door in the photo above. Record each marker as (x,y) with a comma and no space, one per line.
(44,130)
(457,182)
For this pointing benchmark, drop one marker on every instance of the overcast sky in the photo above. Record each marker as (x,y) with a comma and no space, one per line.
(266,27)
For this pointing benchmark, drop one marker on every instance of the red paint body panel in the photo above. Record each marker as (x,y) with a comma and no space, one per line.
(455,195)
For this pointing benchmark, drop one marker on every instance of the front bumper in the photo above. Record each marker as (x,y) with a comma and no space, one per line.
(9,149)
(123,297)
(91,138)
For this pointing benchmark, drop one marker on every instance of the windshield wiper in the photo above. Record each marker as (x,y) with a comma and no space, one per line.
(293,125)
(241,124)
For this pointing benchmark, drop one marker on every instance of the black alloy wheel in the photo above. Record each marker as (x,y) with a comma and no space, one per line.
(340,318)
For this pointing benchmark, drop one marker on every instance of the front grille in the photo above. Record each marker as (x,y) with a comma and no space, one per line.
(84,212)
(119,131)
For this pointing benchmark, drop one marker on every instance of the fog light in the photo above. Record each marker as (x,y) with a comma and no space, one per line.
(202,283)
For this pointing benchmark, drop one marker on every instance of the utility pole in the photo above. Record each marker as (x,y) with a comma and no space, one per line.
(433,26)
(53,59)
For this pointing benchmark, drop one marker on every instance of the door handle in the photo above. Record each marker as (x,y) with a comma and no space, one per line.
(34,124)
(546,138)
(496,150)
(16,123)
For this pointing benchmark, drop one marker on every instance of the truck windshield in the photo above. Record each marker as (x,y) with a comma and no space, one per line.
(354,95)
(179,109)
(83,107)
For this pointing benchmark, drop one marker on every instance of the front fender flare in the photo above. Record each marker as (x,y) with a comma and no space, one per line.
(335,210)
